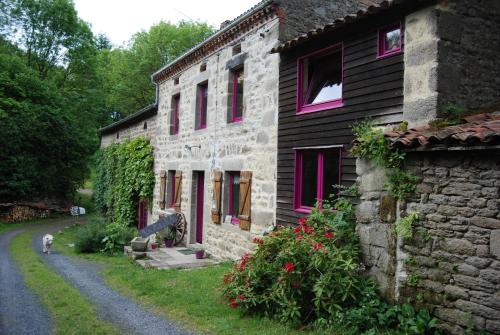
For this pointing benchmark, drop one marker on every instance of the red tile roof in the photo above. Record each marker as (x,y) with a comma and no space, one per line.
(480,129)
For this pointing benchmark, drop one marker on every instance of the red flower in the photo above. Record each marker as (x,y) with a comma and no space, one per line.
(308,230)
(318,246)
(302,221)
(297,229)
(289,267)
(244,261)
(242,297)
(233,303)
(329,234)
(296,285)
(258,240)
(228,278)
(299,237)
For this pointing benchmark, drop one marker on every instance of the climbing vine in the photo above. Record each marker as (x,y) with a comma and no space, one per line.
(124,175)
(370,144)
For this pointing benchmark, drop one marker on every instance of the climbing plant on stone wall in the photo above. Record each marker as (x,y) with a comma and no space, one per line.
(124,175)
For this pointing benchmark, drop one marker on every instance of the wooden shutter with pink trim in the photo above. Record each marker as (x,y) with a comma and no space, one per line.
(245,199)
(178,191)
(216,206)
(163,181)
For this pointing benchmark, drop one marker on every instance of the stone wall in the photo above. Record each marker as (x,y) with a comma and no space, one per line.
(468,59)
(454,256)
(248,145)
(145,127)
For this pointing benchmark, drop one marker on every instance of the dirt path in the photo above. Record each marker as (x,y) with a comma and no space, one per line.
(20,310)
(124,313)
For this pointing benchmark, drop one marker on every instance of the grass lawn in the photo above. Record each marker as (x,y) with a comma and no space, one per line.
(71,312)
(190,297)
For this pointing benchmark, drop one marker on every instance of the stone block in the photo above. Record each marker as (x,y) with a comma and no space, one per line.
(490,275)
(477,309)
(474,283)
(493,326)
(458,246)
(485,222)
(456,292)
(388,208)
(468,270)
(452,315)
(478,262)
(495,243)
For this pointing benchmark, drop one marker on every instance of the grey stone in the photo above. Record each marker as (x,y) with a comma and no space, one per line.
(452,315)
(493,326)
(485,222)
(482,251)
(468,270)
(474,283)
(490,275)
(456,292)
(236,61)
(458,246)
(477,309)
(478,262)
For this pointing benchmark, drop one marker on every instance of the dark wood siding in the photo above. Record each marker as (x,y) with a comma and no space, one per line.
(373,88)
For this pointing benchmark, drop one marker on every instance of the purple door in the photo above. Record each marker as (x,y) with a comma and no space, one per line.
(200,183)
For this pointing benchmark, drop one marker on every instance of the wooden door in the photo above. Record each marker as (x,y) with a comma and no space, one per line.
(142,214)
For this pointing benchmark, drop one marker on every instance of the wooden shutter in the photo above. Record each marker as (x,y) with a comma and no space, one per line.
(245,199)
(178,191)
(216,210)
(163,181)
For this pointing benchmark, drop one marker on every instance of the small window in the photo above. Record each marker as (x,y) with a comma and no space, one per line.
(174,115)
(320,80)
(170,187)
(145,126)
(234,196)
(201,106)
(176,81)
(317,172)
(236,49)
(390,40)
(237,96)
(203,67)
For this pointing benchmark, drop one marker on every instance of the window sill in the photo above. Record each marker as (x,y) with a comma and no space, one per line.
(305,109)
(238,120)
(202,128)
(390,53)
(303,210)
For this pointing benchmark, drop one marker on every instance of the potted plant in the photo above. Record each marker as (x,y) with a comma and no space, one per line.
(168,237)
(199,252)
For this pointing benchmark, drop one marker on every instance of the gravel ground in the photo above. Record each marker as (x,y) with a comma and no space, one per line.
(20,310)
(124,313)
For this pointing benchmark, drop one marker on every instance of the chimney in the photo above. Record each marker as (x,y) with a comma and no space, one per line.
(225,24)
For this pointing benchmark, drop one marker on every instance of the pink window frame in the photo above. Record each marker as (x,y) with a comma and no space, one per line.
(235,118)
(234,218)
(172,189)
(177,101)
(202,90)
(310,108)
(297,199)
(381,52)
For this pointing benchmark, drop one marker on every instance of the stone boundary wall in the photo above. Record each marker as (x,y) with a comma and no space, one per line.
(132,131)
(454,256)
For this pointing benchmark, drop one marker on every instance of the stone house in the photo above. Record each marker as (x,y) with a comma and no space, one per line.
(216,137)
(401,61)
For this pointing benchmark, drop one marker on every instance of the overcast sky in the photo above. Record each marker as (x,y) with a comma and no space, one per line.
(120,19)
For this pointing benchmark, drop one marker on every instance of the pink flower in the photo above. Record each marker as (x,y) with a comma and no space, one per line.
(308,230)
(258,240)
(329,234)
(298,236)
(289,267)
(297,229)
(233,303)
(242,298)
(302,221)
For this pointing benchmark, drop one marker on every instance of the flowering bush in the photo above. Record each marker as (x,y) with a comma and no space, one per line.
(304,273)
(311,274)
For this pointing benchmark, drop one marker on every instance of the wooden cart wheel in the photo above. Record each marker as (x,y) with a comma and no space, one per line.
(180,228)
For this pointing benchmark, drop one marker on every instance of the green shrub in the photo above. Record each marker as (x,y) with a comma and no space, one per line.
(89,236)
(311,274)
(98,236)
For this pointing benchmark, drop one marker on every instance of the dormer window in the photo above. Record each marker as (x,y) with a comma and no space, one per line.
(203,67)
(236,49)
(390,40)
(176,81)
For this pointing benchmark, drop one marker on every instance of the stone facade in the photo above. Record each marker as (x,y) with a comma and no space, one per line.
(249,145)
(141,128)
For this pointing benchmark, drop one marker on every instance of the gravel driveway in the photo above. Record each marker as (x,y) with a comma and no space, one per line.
(20,310)
(124,313)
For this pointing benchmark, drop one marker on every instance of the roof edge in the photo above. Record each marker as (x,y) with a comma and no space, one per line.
(147,111)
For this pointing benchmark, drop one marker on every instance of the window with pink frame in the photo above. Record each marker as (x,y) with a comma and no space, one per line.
(319,80)
(174,116)
(234,196)
(237,97)
(390,40)
(201,106)
(171,189)
(317,172)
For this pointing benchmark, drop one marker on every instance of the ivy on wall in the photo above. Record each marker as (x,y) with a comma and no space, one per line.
(124,175)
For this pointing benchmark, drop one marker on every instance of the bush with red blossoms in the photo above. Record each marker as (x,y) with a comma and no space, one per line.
(304,273)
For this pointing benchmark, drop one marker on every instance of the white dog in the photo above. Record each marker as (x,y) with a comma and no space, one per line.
(47,241)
